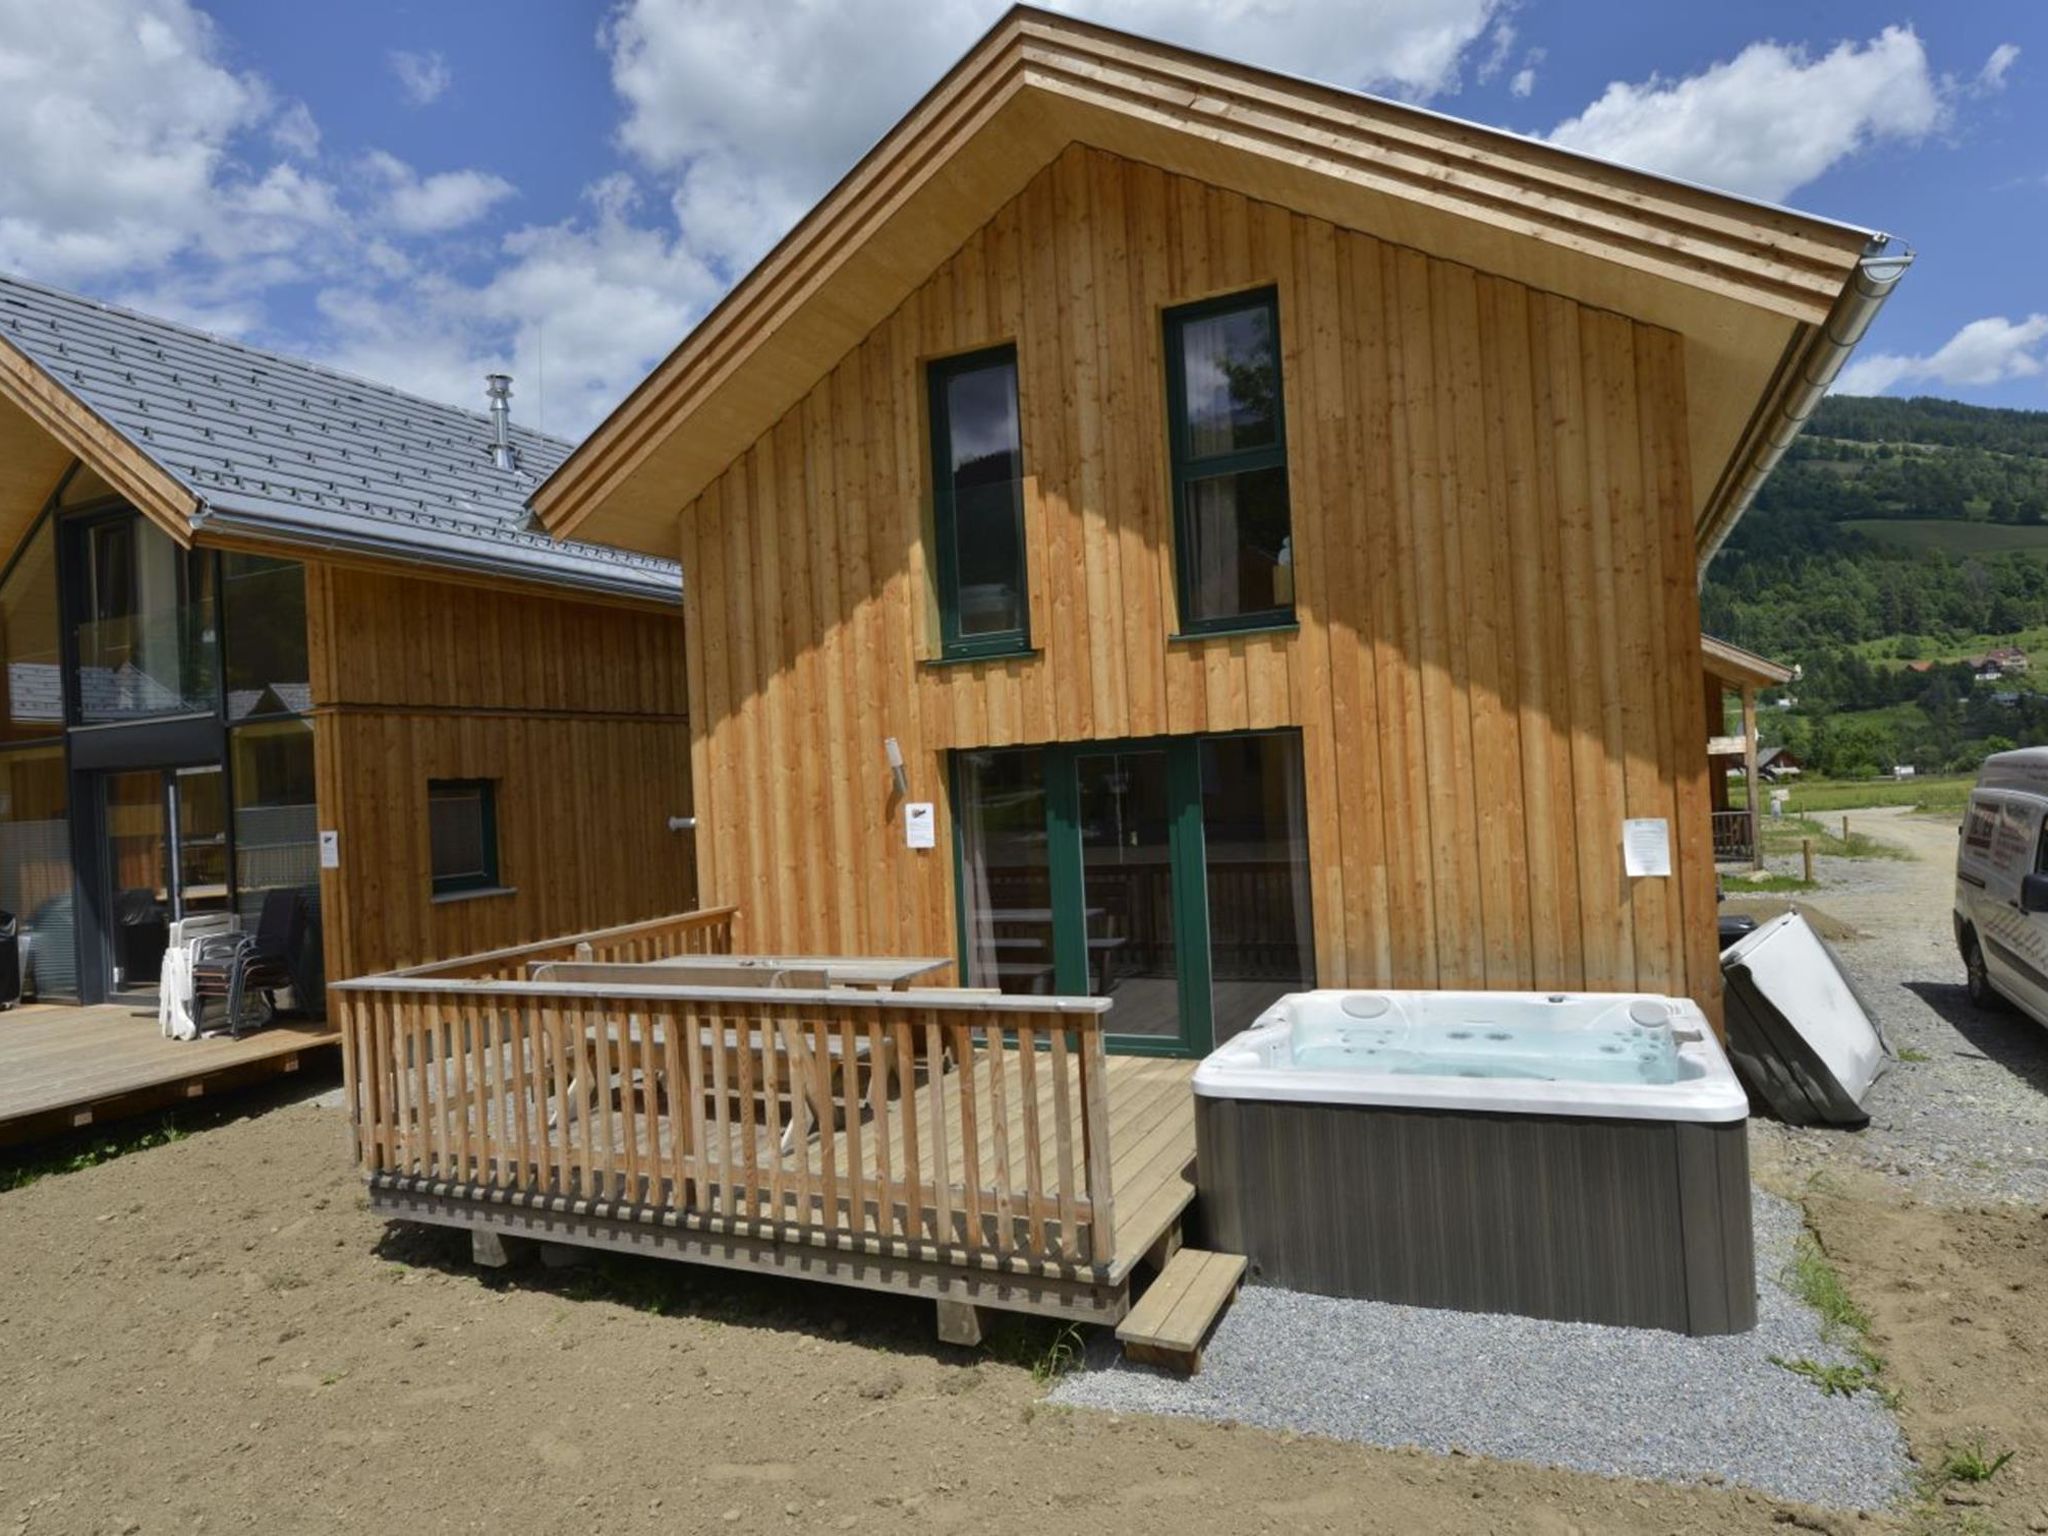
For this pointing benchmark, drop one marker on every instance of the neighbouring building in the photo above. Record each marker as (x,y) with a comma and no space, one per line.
(1738,675)
(1262,520)
(269,627)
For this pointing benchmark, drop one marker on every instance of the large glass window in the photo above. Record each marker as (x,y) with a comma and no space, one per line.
(277,827)
(1233,545)
(1169,875)
(34,678)
(1005,878)
(978,504)
(147,643)
(35,867)
(1255,833)
(263,603)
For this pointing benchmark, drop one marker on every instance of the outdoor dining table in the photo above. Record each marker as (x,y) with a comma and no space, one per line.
(811,1094)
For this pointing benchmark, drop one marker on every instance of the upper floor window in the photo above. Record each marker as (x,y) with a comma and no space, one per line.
(978,505)
(1233,540)
(147,640)
(462,834)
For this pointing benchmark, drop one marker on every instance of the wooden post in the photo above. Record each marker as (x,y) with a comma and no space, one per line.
(1756,825)
(1806,857)
(1845,829)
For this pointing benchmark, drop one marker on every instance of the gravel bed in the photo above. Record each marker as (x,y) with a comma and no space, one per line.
(1963,1115)
(1624,1402)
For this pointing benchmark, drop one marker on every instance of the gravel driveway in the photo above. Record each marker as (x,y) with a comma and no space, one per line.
(1963,1117)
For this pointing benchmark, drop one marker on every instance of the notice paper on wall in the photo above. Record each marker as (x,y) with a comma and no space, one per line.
(1646,846)
(920,830)
(330,849)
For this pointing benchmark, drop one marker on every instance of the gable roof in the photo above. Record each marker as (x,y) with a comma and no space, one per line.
(1768,300)
(203,434)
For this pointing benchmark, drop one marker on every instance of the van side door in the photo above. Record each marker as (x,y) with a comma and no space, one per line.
(2016,942)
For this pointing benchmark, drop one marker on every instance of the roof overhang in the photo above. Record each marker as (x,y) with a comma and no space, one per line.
(1749,287)
(1743,669)
(42,423)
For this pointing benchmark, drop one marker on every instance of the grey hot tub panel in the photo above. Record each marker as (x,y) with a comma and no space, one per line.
(1637,1222)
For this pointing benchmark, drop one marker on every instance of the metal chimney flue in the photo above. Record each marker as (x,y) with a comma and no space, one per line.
(499,387)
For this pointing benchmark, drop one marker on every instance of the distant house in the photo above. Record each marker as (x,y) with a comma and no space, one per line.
(1775,763)
(2009,659)
(266,628)
(1920,666)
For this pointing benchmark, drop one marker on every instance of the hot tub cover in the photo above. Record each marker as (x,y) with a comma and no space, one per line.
(1800,1036)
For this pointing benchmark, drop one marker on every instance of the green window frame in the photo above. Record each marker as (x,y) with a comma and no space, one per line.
(1192,469)
(454,870)
(959,641)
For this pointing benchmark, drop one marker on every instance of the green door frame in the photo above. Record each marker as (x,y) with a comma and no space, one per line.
(1187,852)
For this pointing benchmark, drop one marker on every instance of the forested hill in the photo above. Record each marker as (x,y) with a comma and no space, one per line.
(1896,531)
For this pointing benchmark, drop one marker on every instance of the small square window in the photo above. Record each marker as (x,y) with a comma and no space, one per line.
(462,829)
(1233,543)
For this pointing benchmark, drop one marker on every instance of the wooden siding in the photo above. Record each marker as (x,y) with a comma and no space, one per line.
(575,709)
(1497,658)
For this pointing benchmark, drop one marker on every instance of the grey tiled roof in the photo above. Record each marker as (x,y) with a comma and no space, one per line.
(279,448)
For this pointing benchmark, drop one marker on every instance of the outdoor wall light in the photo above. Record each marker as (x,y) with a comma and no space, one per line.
(896,770)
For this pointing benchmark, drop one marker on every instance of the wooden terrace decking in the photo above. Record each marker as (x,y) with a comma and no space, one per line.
(65,1068)
(979,1150)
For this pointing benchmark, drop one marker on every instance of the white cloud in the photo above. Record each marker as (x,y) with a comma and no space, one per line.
(1987,351)
(577,310)
(750,112)
(1524,81)
(115,122)
(428,205)
(1771,119)
(1992,76)
(295,132)
(424,77)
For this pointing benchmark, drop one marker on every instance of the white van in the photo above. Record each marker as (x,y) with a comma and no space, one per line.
(2002,883)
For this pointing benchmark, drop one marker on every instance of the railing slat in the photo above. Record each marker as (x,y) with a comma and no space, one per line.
(942,1161)
(1034,1162)
(965,1089)
(999,1133)
(906,1110)
(749,1025)
(1063,1139)
(879,1082)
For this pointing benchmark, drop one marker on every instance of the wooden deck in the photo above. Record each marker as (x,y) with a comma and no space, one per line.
(1152,1153)
(64,1068)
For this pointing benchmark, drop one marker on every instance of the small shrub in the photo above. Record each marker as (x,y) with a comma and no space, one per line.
(1833,1380)
(1970,1464)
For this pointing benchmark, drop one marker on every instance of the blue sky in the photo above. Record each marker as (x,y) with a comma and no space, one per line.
(421,191)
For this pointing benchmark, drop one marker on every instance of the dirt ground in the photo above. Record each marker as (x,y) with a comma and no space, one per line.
(217,1335)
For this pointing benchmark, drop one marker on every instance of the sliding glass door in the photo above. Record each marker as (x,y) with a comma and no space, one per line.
(1169,875)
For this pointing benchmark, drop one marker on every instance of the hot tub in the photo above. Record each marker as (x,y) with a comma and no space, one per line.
(1581,1156)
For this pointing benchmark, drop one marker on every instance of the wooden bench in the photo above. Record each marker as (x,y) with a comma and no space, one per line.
(1175,1316)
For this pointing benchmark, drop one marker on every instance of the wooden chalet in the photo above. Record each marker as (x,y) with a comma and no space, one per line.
(1163,535)
(1731,671)
(267,627)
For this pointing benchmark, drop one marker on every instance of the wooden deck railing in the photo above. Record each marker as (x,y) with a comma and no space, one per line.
(963,1130)
(708,932)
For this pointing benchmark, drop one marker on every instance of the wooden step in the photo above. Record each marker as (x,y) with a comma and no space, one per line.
(1173,1319)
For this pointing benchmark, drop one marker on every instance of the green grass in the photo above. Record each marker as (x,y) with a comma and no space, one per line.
(1766,885)
(1785,834)
(1970,1464)
(139,1137)
(1833,1380)
(1884,650)
(1048,1350)
(1812,797)
(1953,536)
(1913,1053)
(1814,1280)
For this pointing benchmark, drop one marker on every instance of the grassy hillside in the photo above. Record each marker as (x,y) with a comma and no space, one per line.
(1952,536)
(1896,531)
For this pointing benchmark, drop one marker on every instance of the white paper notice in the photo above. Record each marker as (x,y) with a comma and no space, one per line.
(919,829)
(330,849)
(1646,846)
